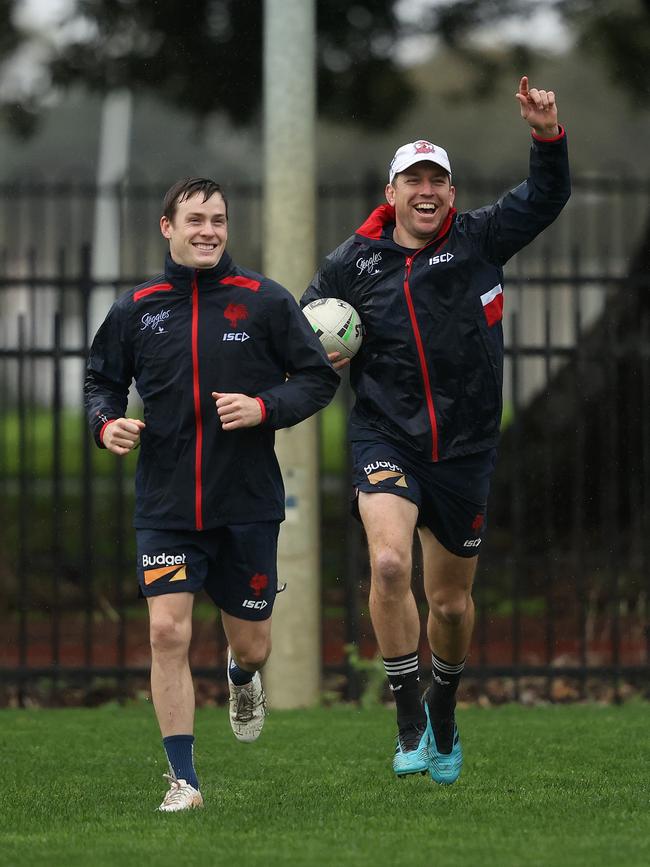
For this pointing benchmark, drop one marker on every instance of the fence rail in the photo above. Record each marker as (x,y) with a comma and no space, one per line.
(563,588)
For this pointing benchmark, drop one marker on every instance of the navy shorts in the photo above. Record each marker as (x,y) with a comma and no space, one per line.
(235,565)
(451,495)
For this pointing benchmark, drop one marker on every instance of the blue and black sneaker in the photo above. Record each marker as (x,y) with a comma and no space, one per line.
(411,752)
(445,751)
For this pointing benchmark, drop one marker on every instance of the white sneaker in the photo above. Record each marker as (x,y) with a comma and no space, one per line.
(181,796)
(247,707)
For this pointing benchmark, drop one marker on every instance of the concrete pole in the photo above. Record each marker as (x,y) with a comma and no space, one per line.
(112,169)
(292,676)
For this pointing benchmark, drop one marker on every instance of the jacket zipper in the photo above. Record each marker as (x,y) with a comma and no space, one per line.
(198,491)
(423,363)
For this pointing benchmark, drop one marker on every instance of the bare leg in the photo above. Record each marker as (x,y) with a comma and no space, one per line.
(250,645)
(249,640)
(389,522)
(172,691)
(448,583)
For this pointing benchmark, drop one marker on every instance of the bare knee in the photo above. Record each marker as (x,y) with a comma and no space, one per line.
(168,635)
(253,654)
(391,574)
(451,609)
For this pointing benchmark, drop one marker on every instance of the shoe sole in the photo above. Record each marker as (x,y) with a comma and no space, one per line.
(246,740)
(401,774)
(196,805)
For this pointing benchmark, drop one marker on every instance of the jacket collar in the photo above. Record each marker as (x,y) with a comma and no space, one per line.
(182,277)
(379,225)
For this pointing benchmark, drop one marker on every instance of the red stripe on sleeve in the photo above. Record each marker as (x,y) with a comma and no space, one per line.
(263,408)
(149,290)
(245,282)
(104,426)
(553,138)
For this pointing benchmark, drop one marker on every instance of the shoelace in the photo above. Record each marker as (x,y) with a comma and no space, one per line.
(245,704)
(410,737)
(175,793)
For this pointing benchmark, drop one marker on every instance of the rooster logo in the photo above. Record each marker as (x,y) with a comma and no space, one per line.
(258,583)
(424,147)
(235,312)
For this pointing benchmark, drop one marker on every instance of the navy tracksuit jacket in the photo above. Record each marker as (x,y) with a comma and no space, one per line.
(430,369)
(181,336)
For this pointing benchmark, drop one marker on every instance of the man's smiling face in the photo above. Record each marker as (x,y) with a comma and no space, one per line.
(422,196)
(198,231)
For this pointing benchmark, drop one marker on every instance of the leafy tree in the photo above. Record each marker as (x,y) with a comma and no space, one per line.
(616,30)
(206,56)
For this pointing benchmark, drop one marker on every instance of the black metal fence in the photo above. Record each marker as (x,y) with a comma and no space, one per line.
(563,587)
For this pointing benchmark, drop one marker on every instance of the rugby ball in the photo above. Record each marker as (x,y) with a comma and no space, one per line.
(336,324)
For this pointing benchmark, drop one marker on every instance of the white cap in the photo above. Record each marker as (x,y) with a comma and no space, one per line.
(415,152)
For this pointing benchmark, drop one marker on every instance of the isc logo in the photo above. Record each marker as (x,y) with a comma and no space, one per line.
(472,543)
(443,257)
(239,336)
(254,603)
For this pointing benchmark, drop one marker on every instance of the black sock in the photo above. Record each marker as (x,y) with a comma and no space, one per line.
(402,672)
(445,679)
(441,700)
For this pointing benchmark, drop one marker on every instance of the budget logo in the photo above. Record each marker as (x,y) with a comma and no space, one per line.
(167,566)
(381,471)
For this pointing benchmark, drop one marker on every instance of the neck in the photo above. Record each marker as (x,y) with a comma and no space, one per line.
(404,239)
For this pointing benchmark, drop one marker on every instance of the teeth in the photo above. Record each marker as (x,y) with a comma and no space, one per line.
(425,206)
(205,246)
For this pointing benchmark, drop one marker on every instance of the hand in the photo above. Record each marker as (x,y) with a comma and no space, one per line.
(538,109)
(237,410)
(337,361)
(122,435)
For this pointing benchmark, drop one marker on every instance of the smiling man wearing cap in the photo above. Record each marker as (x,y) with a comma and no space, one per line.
(427,282)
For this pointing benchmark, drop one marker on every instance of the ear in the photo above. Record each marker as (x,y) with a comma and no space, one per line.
(165,227)
(389,192)
(452,196)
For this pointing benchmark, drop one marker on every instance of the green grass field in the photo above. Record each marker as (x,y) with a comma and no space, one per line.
(542,786)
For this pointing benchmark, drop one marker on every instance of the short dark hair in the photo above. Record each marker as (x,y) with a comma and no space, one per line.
(185,189)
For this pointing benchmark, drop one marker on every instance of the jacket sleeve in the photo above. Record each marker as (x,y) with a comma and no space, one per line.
(325,283)
(109,372)
(502,229)
(311,380)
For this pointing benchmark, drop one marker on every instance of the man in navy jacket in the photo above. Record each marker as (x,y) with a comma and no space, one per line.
(221,358)
(427,282)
